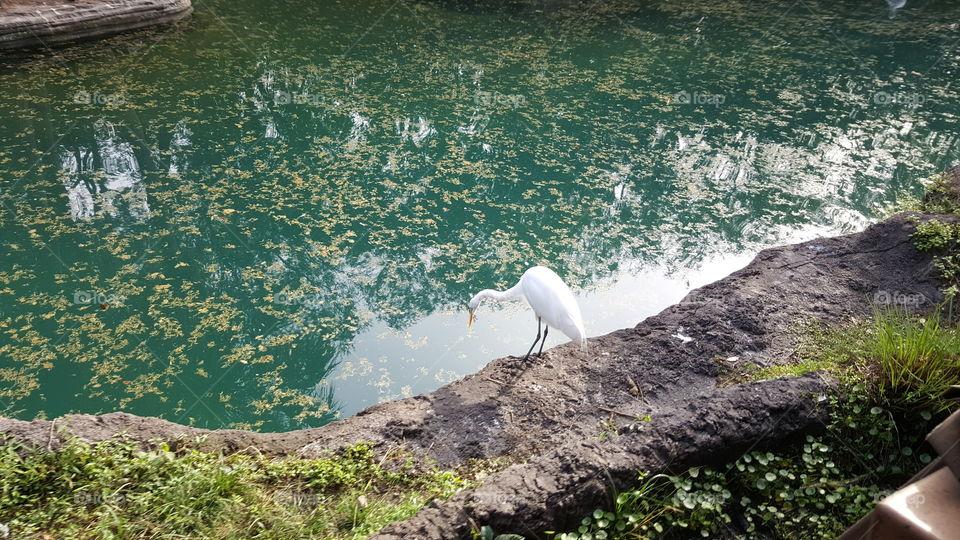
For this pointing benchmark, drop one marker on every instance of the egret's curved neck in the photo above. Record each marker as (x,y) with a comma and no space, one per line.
(509,294)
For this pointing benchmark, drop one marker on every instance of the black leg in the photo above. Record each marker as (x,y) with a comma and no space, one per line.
(534,341)
(546,330)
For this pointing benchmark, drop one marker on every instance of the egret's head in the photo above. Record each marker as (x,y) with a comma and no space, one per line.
(472,306)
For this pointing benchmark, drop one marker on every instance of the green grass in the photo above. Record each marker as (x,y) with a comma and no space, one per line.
(942,240)
(935,235)
(796,369)
(916,358)
(905,360)
(940,197)
(114,489)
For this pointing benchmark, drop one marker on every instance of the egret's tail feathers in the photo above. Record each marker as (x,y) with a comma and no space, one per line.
(583,345)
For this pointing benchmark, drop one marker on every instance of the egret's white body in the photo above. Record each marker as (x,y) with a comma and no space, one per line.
(551,300)
(894,6)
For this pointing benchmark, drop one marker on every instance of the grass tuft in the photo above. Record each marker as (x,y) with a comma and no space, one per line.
(905,360)
(917,358)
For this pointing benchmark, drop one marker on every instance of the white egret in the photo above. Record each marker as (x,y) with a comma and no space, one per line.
(551,300)
(894,6)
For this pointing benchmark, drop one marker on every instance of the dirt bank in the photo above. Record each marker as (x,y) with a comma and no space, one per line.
(557,415)
(41,23)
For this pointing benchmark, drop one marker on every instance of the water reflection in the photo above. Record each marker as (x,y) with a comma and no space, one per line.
(103,178)
(78,190)
(179,149)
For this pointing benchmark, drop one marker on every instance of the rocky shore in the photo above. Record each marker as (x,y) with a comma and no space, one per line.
(42,23)
(577,424)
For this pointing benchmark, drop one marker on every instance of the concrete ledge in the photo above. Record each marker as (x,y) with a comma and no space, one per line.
(40,23)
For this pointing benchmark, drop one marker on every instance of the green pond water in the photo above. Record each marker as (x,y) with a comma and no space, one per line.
(272,215)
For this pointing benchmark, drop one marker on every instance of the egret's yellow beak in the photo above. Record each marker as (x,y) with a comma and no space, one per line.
(470,322)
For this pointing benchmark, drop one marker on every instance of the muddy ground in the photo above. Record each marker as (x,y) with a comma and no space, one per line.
(572,421)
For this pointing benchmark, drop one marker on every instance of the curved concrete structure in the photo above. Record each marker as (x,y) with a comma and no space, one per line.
(44,23)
